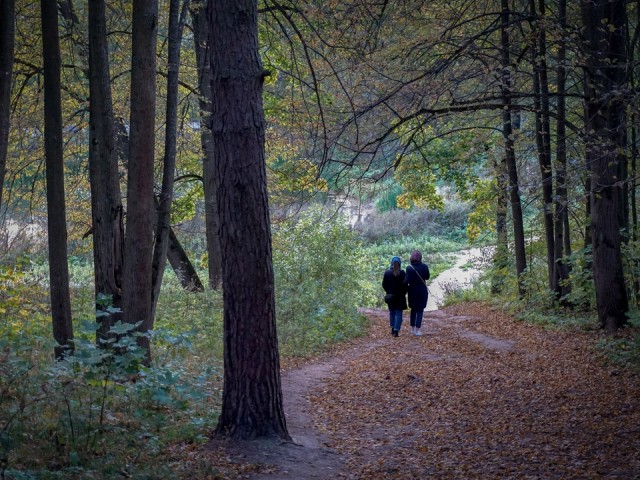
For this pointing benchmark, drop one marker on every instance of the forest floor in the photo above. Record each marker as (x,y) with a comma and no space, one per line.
(480,396)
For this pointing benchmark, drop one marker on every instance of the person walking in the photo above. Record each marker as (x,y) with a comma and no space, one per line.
(415,279)
(393,283)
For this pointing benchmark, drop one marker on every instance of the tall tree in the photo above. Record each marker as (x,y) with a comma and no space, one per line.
(56,211)
(543,130)
(136,280)
(562,232)
(7,39)
(509,146)
(252,399)
(176,27)
(605,123)
(106,199)
(201,28)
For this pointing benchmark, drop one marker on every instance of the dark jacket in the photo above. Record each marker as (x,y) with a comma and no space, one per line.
(396,286)
(418,293)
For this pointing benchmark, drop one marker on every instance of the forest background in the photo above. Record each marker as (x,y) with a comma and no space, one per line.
(389,126)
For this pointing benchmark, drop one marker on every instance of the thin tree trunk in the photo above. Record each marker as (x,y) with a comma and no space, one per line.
(634,153)
(7,40)
(605,122)
(182,266)
(136,280)
(507,132)
(201,27)
(56,212)
(252,398)
(543,134)
(176,26)
(176,255)
(501,255)
(561,204)
(106,199)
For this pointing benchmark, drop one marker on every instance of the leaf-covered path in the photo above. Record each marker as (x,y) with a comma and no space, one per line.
(480,396)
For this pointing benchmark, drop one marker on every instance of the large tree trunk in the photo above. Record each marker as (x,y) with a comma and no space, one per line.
(201,28)
(252,398)
(605,123)
(562,242)
(136,280)
(510,156)
(56,212)
(106,199)
(543,131)
(176,26)
(7,39)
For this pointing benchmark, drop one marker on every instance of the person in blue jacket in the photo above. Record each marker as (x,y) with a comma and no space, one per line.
(393,283)
(415,279)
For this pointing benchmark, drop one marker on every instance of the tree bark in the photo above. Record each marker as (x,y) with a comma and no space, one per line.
(201,28)
(562,242)
(605,123)
(252,398)
(136,280)
(7,41)
(507,132)
(56,211)
(501,255)
(176,26)
(543,131)
(106,199)
(182,266)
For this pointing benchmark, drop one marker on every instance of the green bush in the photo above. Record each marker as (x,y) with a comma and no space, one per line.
(97,411)
(321,279)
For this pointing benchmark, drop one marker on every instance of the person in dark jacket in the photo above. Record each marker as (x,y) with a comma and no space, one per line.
(393,283)
(415,279)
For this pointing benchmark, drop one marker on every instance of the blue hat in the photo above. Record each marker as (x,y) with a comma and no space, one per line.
(396,259)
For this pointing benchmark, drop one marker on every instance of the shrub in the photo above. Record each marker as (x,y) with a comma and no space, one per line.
(450,223)
(321,280)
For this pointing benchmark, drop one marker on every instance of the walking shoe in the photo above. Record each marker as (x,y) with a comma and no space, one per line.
(417,333)
(394,332)
(413,330)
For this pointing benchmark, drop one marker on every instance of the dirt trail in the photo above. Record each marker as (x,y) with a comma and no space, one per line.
(479,396)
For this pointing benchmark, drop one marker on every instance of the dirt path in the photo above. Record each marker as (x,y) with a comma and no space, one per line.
(480,396)
(467,268)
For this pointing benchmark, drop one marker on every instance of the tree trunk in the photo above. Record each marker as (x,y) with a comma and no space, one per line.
(182,265)
(507,132)
(562,240)
(56,212)
(201,28)
(605,123)
(543,133)
(501,255)
(106,199)
(252,398)
(136,280)
(633,44)
(176,26)
(7,39)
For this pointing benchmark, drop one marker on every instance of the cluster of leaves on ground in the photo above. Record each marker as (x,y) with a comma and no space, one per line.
(483,396)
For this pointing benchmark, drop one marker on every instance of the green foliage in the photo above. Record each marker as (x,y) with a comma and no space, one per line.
(435,158)
(388,200)
(98,410)
(624,348)
(321,280)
